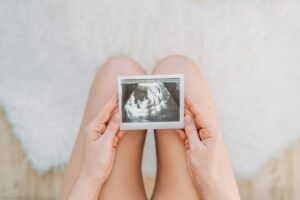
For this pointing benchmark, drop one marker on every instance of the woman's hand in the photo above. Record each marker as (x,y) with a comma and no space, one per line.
(207,156)
(102,136)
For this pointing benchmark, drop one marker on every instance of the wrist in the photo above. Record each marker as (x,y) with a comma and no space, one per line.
(90,179)
(211,189)
(86,187)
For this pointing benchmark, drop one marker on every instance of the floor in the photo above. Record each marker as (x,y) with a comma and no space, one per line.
(279,179)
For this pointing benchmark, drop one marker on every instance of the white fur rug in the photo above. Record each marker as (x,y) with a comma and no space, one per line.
(248,50)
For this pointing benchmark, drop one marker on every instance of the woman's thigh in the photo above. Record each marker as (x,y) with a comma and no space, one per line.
(173,178)
(126,173)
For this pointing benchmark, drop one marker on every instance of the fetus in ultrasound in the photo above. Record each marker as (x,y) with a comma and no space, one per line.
(150,102)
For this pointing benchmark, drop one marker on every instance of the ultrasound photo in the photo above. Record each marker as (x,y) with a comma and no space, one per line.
(151,101)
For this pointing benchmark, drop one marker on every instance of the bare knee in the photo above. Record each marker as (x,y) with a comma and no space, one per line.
(122,65)
(114,67)
(174,64)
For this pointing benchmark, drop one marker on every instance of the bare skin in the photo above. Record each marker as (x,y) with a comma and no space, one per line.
(101,138)
(191,163)
(127,161)
(175,166)
(205,150)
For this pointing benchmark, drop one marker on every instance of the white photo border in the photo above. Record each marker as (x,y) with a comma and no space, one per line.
(153,125)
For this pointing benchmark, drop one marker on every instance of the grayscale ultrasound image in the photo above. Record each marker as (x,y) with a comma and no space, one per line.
(150,100)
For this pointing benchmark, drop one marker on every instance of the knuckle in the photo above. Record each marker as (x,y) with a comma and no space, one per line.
(101,127)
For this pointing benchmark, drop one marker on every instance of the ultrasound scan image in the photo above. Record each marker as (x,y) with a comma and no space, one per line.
(150,100)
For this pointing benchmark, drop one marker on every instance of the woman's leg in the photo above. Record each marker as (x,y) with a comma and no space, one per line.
(173,179)
(125,181)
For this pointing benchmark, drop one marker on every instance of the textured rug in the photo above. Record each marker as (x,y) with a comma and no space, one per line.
(248,50)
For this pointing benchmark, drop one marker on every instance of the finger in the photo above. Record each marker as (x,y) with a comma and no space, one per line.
(104,115)
(191,132)
(100,128)
(187,111)
(115,142)
(192,106)
(115,110)
(181,134)
(186,144)
(120,134)
(201,122)
(205,134)
(112,128)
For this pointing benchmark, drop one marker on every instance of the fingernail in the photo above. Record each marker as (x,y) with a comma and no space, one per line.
(117,117)
(188,119)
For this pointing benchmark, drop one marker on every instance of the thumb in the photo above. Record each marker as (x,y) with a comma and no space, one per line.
(112,129)
(191,132)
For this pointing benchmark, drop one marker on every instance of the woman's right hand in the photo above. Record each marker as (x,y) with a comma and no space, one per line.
(207,157)
(101,140)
